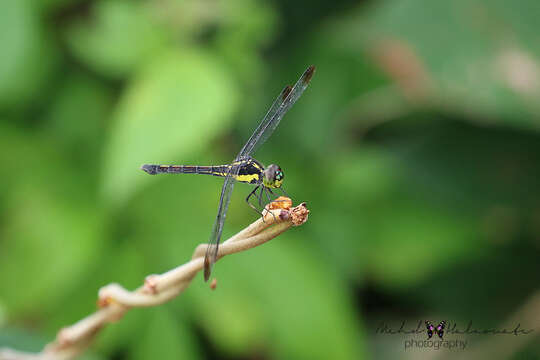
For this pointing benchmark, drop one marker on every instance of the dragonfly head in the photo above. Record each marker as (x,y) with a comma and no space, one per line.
(273,176)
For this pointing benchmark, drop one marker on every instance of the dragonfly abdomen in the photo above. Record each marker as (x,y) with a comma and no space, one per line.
(250,170)
(219,170)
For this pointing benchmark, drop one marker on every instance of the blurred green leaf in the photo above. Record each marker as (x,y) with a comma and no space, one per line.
(20,339)
(405,240)
(122,36)
(230,316)
(168,335)
(356,184)
(78,113)
(125,334)
(466,60)
(292,287)
(172,110)
(245,27)
(28,54)
(46,216)
(391,232)
(58,5)
(119,261)
(247,22)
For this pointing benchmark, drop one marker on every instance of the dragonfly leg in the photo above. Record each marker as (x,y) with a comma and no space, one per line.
(263,190)
(260,196)
(268,197)
(271,192)
(284,192)
(253,206)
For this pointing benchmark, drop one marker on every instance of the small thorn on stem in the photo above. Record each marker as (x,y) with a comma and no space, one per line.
(150,283)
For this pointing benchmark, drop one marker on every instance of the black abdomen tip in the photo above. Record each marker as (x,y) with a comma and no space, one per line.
(150,169)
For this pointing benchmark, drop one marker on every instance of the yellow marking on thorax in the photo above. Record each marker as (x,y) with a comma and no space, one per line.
(247,178)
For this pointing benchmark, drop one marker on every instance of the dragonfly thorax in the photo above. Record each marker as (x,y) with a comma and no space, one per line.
(273,176)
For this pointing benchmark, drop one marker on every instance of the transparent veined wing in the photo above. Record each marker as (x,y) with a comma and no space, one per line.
(281,105)
(213,244)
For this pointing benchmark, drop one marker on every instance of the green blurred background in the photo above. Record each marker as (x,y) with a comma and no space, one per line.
(416,148)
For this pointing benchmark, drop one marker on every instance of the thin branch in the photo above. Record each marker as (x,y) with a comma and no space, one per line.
(114,300)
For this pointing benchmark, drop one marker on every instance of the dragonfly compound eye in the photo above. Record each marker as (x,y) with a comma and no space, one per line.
(278,180)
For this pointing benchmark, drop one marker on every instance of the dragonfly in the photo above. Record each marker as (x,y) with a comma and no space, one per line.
(244,168)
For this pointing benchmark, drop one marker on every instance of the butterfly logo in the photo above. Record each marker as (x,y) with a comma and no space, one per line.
(439,329)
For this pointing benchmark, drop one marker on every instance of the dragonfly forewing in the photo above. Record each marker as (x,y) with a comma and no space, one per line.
(213,243)
(279,108)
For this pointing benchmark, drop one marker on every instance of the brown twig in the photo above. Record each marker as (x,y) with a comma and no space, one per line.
(114,300)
